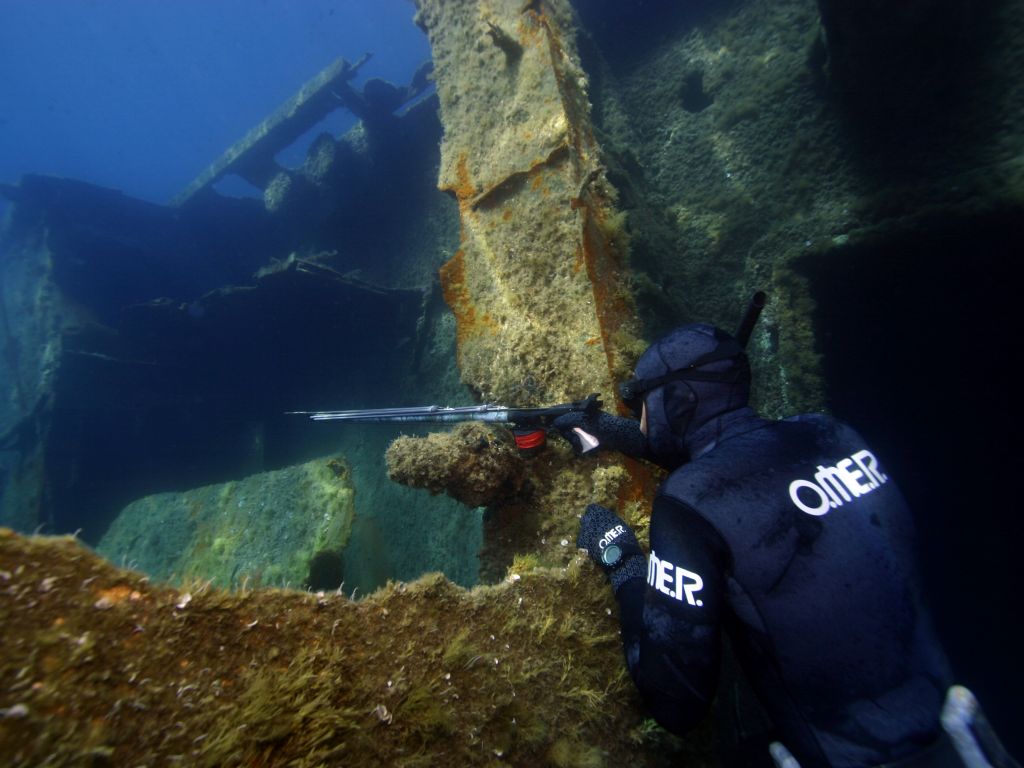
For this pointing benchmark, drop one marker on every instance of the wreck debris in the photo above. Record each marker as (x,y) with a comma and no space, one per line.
(137,337)
(281,677)
(472,463)
(538,285)
(288,526)
(252,157)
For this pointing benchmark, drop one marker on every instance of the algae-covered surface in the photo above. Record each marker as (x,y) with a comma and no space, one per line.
(612,180)
(534,502)
(740,160)
(285,527)
(101,666)
(472,463)
(538,286)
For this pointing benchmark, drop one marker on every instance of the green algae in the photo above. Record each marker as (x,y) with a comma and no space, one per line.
(101,666)
(286,527)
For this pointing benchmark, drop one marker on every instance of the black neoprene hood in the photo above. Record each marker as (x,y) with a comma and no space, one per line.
(688,378)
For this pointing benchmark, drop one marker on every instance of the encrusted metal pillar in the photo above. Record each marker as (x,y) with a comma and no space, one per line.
(537,286)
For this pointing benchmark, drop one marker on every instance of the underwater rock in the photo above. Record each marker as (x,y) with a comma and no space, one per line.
(286,527)
(472,463)
(104,666)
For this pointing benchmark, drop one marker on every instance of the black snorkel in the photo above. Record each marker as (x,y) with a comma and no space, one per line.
(746,326)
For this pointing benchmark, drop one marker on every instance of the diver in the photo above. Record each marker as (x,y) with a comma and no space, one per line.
(791,537)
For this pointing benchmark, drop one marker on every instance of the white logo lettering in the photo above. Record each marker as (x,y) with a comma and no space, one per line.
(610,535)
(678,583)
(834,486)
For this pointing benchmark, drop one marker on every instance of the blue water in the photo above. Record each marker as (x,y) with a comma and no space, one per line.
(142,95)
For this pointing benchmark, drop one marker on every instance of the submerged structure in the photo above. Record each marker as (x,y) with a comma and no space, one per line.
(605,174)
(287,527)
(539,284)
(104,667)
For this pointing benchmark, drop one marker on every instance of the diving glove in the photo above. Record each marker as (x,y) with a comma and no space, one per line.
(586,433)
(611,544)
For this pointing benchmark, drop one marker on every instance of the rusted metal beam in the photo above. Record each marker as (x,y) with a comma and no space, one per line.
(252,157)
(538,286)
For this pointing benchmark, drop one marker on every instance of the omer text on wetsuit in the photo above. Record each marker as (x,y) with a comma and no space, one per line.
(833,486)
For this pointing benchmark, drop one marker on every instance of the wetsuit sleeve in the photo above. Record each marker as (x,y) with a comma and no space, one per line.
(671,622)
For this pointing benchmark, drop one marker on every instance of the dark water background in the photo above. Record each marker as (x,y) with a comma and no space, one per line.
(141,95)
(920,362)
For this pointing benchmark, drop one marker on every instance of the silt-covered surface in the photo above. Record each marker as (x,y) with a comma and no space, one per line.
(285,527)
(537,285)
(103,667)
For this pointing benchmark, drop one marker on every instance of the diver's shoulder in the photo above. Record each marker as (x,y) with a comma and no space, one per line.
(820,421)
(824,427)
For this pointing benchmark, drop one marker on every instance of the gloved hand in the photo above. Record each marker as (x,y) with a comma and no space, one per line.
(601,532)
(602,431)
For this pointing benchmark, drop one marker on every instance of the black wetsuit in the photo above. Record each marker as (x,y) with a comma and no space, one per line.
(789,535)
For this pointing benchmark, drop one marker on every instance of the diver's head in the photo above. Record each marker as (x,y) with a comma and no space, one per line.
(687,379)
